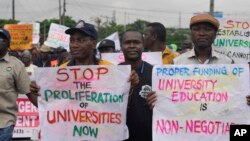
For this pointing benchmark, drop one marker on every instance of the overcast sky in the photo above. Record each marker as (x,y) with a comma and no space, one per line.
(172,13)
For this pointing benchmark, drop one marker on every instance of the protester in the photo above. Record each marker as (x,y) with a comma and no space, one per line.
(155,40)
(44,58)
(186,46)
(106,46)
(83,39)
(14,80)
(139,116)
(203,33)
(203,28)
(26,58)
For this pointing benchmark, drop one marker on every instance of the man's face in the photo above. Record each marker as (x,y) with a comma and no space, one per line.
(203,35)
(4,44)
(81,46)
(148,38)
(26,60)
(132,45)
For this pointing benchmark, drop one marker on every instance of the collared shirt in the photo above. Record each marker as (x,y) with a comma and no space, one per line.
(72,63)
(168,56)
(191,58)
(14,80)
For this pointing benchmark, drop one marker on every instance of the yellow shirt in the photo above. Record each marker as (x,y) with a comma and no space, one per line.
(168,56)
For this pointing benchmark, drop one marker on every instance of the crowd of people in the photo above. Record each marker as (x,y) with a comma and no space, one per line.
(14,79)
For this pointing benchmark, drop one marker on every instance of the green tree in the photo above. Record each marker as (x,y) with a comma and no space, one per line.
(10,21)
(177,36)
(138,25)
(45,24)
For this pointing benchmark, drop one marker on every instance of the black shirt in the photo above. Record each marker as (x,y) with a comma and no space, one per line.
(139,116)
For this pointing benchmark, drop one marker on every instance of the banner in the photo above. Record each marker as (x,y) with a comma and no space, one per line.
(233,39)
(154,58)
(57,36)
(21,36)
(199,102)
(83,102)
(27,119)
(36,32)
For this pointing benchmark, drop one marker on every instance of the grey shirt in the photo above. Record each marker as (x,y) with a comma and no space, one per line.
(13,80)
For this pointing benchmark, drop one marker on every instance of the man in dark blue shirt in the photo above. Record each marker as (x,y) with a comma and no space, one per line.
(139,116)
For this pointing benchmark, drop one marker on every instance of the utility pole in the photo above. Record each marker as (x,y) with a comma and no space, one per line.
(60,16)
(114,16)
(211,12)
(13,9)
(125,15)
(179,19)
(64,10)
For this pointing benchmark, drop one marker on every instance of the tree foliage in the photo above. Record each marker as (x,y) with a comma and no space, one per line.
(177,36)
(10,21)
(105,28)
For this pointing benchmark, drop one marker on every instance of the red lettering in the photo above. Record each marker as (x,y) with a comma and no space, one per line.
(229,24)
(88,116)
(121,58)
(85,76)
(61,72)
(75,72)
(53,120)
(118,117)
(100,71)
(245,25)
(197,126)
(174,95)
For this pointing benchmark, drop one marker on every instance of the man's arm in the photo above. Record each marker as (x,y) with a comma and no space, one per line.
(34,89)
(33,98)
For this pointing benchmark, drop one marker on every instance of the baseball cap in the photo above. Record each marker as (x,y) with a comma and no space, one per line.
(107,43)
(5,33)
(86,28)
(205,18)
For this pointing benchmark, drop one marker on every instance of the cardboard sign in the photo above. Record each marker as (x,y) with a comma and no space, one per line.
(21,36)
(199,102)
(233,39)
(83,102)
(154,58)
(27,119)
(57,36)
